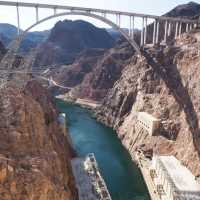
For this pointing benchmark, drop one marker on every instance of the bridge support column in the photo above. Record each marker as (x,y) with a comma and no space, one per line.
(55,11)
(180,29)
(18,20)
(165,36)
(133,26)
(145,31)
(118,20)
(130,27)
(103,14)
(154,32)
(176,31)
(157,32)
(142,33)
(187,27)
(190,28)
(169,29)
(36,14)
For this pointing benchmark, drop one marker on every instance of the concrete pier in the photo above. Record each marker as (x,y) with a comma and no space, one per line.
(142,33)
(154,32)
(157,32)
(145,30)
(169,29)
(176,32)
(18,20)
(165,34)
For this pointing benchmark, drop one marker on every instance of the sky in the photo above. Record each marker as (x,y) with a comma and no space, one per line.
(27,16)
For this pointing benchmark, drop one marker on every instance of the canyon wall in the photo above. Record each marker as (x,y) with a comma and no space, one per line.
(94,71)
(34,152)
(166,85)
(67,39)
(104,72)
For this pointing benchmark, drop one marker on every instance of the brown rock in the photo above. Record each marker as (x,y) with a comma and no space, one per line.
(35,154)
(165,85)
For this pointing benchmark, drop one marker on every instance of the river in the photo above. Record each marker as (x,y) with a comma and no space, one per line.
(121,175)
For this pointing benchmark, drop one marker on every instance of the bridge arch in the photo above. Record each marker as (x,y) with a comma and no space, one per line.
(15,44)
(9,58)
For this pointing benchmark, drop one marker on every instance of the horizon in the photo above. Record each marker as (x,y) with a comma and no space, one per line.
(152,7)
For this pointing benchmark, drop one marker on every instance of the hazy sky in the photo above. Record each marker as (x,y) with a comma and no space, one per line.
(156,7)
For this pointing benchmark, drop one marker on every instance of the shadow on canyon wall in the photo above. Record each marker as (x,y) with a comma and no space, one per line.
(181,95)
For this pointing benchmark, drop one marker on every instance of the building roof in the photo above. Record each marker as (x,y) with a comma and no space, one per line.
(147,116)
(181,176)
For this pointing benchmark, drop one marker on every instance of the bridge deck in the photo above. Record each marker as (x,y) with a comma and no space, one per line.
(54,6)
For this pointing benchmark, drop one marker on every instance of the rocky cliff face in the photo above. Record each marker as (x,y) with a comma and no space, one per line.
(72,75)
(166,85)
(8,33)
(68,38)
(94,71)
(34,152)
(189,10)
(104,73)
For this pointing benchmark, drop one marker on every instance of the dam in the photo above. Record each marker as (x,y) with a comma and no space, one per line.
(122,176)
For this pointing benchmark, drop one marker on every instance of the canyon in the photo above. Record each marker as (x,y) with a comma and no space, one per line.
(35,151)
(165,85)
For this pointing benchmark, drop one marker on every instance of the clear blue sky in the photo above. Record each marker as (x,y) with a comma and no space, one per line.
(156,7)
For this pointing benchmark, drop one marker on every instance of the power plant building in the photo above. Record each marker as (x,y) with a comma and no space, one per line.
(173,180)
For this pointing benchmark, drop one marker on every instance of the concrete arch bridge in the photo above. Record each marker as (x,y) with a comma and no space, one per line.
(181,25)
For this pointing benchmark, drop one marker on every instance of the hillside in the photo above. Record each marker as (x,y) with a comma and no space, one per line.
(34,152)
(68,38)
(189,10)
(94,71)
(8,32)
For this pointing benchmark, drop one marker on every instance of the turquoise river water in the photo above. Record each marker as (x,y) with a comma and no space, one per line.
(121,175)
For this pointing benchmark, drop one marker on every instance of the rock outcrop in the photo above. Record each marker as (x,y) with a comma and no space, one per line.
(189,10)
(94,72)
(8,33)
(68,38)
(166,85)
(34,151)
